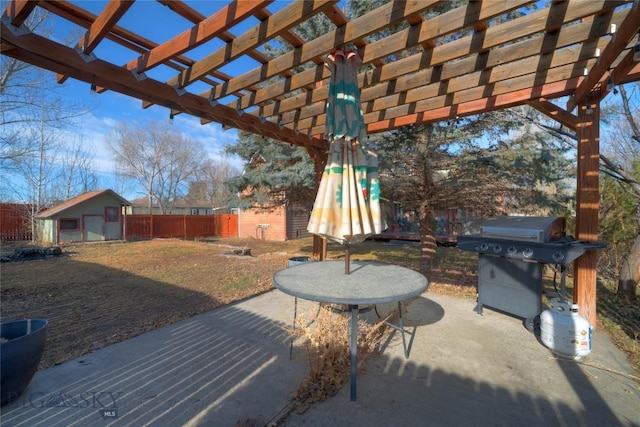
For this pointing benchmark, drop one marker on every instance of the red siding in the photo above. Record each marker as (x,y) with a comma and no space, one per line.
(263,224)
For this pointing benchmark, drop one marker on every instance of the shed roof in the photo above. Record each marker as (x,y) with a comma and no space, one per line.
(58,209)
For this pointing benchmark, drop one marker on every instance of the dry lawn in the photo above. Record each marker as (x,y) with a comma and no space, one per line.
(99,294)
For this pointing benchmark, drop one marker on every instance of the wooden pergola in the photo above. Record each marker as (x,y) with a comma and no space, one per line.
(439,66)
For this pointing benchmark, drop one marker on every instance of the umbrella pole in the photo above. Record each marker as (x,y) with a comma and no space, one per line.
(347,258)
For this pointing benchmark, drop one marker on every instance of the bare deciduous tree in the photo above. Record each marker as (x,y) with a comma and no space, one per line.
(619,160)
(34,154)
(29,98)
(76,175)
(208,185)
(160,160)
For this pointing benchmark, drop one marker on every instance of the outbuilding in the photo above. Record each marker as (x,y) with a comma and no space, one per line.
(90,217)
(278,223)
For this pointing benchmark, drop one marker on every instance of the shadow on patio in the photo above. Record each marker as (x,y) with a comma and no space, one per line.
(232,365)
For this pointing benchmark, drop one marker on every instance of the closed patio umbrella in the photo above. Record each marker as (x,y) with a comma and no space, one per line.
(347,206)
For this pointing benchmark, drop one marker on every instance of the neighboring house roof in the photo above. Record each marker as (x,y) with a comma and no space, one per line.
(76,201)
(179,204)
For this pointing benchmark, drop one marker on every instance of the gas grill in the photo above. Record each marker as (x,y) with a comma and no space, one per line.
(511,251)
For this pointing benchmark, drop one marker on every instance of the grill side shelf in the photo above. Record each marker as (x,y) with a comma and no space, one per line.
(557,252)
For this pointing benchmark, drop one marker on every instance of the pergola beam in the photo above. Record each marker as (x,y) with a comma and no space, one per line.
(289,16)
(488,104)
(19,10)
(624,32)
(358,28)
(103,24)
(118,35)
(509,92)
(202,32)
(58,58)
(410,89)
(194,16)
(627,70)
(554,112)
(435,66)
(100,27)
(425,32)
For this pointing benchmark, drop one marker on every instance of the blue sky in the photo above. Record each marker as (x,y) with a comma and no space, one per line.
(109,108)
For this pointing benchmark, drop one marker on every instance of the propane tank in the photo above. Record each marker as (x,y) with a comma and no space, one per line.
(564,331)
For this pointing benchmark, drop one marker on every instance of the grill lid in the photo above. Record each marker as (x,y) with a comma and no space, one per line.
(524,228)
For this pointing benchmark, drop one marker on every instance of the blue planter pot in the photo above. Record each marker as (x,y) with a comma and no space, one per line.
(20,355)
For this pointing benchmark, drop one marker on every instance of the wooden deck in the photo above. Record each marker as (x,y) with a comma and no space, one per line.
(413,236)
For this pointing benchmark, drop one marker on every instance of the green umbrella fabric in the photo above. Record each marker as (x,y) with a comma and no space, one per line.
(347,206)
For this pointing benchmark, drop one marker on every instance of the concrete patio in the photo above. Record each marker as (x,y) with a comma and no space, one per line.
(232,367)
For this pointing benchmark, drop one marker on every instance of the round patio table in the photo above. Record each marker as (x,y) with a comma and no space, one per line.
(368,283)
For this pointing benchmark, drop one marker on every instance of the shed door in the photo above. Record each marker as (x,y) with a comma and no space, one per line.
(93,228)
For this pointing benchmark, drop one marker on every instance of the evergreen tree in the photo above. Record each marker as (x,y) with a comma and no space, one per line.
(445,166)
(275,174)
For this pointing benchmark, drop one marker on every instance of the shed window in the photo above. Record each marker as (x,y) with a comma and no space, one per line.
(194,211)
(69,224)
(111,214)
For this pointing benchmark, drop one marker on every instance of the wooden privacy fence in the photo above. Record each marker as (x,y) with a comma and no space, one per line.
(14,222)
(180,226)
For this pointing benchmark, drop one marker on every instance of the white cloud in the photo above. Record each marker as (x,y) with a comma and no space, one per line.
(93,133)
(211,135)
(96,127)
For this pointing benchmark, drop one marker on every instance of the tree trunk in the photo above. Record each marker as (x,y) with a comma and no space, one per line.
(630,272)
(428,245)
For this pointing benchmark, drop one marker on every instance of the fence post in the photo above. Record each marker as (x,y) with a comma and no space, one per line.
(124,222)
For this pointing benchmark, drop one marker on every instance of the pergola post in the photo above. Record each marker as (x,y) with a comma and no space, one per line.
(587,207)
(319,159)
(319,248)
